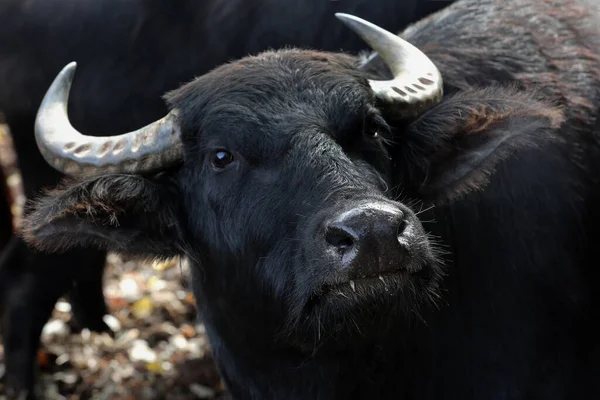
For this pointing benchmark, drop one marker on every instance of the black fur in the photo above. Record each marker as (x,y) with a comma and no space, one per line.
(129,53)
(502,174)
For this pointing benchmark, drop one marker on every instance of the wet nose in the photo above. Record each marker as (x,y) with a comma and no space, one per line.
(368,239)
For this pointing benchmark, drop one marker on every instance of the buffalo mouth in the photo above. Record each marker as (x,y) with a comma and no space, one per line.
(413,282)
(385,281)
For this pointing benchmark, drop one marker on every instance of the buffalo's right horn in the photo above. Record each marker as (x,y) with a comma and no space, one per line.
(149,149)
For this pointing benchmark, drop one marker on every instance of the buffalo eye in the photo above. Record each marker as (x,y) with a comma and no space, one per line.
(370,130)
(221,159)
(374,125)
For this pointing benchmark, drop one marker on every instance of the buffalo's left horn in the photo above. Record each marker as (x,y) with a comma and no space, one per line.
(146,150)
(417,83)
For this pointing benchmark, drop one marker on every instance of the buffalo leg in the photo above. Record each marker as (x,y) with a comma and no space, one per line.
(87,297)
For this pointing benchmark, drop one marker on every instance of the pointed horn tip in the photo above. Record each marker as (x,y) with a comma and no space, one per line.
(342,16)
(62,82)
(347,17)
(350,19)
(69,69)
(66,74)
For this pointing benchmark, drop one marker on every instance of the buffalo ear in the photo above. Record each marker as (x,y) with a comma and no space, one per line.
(454,147)
(122,213)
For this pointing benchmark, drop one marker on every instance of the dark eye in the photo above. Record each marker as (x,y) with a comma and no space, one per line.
(221,158)
(371,130)
(375,126)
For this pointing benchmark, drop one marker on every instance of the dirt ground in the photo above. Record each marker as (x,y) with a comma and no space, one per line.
(157,351)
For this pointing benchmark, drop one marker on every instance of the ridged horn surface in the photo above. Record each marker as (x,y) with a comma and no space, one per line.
(417,83)
(145,150)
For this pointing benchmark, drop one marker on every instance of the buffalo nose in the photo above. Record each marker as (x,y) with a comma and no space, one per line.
(368,239)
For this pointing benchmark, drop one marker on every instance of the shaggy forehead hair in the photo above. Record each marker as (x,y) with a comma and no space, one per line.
(275,86)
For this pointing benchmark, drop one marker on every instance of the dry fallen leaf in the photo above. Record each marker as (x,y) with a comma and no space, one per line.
(42,358)
(188,330)
(142,308)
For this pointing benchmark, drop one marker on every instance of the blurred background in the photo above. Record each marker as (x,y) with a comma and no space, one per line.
(130,53)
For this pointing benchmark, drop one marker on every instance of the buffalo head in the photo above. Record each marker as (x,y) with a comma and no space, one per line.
(292,180)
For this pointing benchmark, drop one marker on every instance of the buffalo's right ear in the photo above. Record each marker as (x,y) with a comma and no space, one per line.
(122,213)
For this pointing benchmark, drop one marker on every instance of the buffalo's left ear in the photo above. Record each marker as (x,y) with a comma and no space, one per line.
(454,147)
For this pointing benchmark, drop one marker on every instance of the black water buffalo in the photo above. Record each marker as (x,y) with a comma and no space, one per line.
(413,225)
(130,53)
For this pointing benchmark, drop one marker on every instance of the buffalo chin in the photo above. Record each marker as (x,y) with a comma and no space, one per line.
(370,302)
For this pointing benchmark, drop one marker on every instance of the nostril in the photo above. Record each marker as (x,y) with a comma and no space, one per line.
(401,227)
(339,238)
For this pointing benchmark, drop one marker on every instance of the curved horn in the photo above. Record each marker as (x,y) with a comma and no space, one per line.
(145,150)
(417,83)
